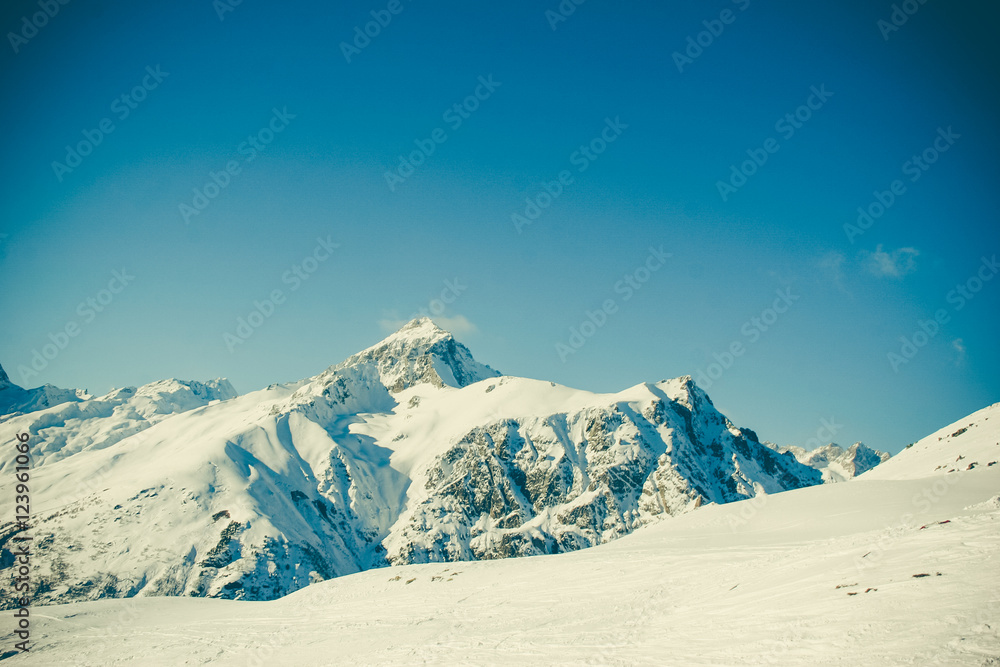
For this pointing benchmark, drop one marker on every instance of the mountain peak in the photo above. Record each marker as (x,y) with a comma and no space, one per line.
(421,352)
(419,327)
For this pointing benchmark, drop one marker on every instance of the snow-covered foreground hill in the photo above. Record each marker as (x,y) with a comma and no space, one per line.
(968,444)
(871,572)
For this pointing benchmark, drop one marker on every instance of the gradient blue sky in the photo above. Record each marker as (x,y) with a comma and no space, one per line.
(654,186)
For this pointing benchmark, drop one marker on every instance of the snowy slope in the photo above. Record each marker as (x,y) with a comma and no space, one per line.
(410,451)
(791,583)
(970,443)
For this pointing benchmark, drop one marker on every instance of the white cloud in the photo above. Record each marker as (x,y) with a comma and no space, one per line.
(459,325)
(390,321)
(895,264)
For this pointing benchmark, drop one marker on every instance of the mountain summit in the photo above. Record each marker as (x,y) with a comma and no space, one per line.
(419,352)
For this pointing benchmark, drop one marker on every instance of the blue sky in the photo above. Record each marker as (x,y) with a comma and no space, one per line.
(641,144)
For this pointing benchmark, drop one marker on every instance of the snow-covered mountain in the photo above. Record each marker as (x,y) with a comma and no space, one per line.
(834,462)
(408,452)
(17,400)
(80,422)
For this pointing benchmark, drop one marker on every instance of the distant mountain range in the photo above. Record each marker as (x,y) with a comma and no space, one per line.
(410,451)
(835,463)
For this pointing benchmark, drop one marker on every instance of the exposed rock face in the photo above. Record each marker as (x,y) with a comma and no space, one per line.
(518,487)
(409,451)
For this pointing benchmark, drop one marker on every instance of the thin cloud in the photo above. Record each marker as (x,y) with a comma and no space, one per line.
(833,264)
(391,322)
(959,346)
(894,264)
(459,325)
